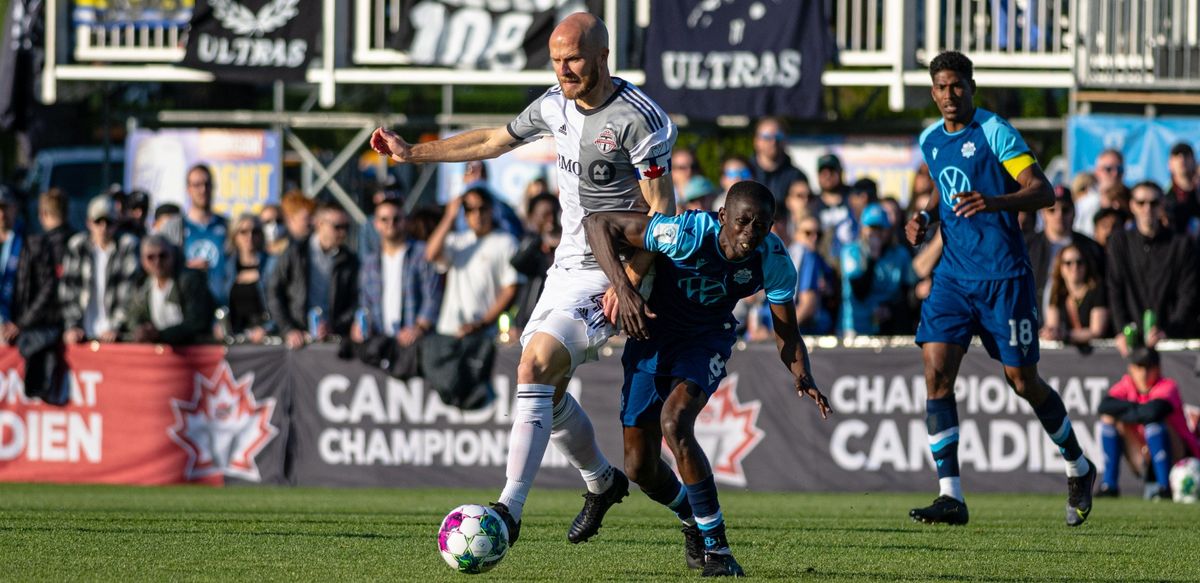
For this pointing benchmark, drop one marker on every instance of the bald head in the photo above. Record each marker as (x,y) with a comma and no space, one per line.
(582,30)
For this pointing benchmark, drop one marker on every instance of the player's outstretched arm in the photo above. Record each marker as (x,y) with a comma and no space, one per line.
(480,144)
(603,231)
(1035,193)
(794,355)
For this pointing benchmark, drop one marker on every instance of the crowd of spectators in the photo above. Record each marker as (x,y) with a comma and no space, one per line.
(1107,256)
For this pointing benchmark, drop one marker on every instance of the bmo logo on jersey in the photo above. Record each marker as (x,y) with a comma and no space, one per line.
(952,181)
(569,165)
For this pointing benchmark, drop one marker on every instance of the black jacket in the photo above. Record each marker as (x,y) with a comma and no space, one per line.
(35,299)
(1157,273)
(191,294)
(287,291)
(779,179)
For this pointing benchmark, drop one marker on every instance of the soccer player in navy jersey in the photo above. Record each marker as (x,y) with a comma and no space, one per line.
(984,283)
(681,338)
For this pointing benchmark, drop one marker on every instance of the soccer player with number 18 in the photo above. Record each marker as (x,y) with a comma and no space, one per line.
(984,284)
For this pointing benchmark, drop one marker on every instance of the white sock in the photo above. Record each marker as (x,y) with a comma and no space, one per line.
(574,436)
(951,487)
(1077,468)
(527,444)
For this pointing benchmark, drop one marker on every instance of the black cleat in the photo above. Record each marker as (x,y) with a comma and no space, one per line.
(944,510)
(1106,492)
(693,546)
(514,527)
(1079,496)
(721,564)
(587,523)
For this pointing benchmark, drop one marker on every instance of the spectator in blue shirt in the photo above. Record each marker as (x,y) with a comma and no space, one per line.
(876,277)
(204,233)
(12,239)
(815,279)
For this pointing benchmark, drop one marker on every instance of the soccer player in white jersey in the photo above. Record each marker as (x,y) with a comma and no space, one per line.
(614,152)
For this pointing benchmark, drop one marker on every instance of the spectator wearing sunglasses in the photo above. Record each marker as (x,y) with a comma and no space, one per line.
(833,191)
(317,275)
(249,269)
(1151,267)
(173,305)
(771,165)
(1057,234)
(1110,190)
(815,286)
(1078,305)
(100,271)
(684,167)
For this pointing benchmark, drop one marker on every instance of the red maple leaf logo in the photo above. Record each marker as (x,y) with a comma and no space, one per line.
(727,430)
(653,171)
(223,427)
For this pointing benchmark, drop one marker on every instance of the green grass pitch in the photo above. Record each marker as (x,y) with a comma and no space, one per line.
(61,533)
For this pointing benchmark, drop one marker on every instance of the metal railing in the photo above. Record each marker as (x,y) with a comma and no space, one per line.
(1018,43)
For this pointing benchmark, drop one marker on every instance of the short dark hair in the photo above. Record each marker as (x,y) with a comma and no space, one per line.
(751,192)
(953,61)
(166,209)
(392,202)
(329,206)
(138,199)
(485,196)
(544,197)
(203,168)
(783,127)
(1183,149)
(1152,185)
(1104,213)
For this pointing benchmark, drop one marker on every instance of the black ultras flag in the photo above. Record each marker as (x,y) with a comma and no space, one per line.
(256,41)
(738,57)
(507,35)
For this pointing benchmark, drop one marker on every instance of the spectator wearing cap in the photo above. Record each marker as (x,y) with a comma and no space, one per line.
(876,278)
(1143,421)
(535,256)
(481,284)
(863,193)
(833,191)
(400,291)
(1105,222)
(134,212)
(204,233)
(1057,233)
(172,305)
(1151,268)
(771,166)
(12,240)
(316,275)
(100,272)
(814,284)
(1183,195)
(700,194)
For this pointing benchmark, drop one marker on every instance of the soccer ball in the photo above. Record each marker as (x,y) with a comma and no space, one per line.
(472,539)
(1185,480)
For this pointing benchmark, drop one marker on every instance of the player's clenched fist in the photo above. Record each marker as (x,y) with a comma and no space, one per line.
(390,144)
(915,230)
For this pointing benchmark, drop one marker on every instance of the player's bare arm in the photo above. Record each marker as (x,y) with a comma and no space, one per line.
(1035,193)
(603,231)
(660,195)
(480,144)
(794,355)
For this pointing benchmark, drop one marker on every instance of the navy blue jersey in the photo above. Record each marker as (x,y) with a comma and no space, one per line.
(696,287)
(983,157)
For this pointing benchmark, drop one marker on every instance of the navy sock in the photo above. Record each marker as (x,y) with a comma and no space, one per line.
(941,420)
(1053,416)
(1111,443)
(673,495)
(703,498)
(1160,453)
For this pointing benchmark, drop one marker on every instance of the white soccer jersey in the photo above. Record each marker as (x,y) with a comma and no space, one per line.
(602,155)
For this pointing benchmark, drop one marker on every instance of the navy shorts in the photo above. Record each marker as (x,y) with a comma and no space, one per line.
(651,364)
(1003,312)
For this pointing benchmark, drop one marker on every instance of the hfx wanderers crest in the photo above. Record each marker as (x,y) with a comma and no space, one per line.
(223,427)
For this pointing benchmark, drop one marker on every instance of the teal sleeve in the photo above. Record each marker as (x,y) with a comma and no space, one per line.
(779,273)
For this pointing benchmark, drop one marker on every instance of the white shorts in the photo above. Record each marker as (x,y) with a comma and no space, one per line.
(571,310)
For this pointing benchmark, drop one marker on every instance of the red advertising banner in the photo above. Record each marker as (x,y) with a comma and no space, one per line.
(127,421)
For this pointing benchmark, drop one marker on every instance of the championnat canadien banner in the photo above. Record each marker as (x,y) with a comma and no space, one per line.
(262,414)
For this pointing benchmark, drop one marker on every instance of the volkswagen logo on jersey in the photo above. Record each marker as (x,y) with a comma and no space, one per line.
(607,140)
(952,181)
